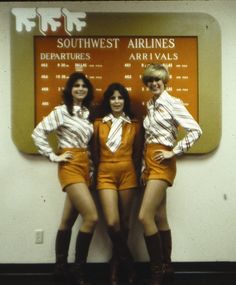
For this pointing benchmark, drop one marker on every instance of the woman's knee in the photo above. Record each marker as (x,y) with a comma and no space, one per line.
(146,217)
(143,218)
(113,223)
(90,220)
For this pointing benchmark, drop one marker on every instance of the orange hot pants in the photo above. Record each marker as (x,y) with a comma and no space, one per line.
(116,175)
(76,170)
(154,170)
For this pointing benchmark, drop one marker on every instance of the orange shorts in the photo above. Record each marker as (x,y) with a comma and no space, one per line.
(154,170)
(76,170)
(118,175)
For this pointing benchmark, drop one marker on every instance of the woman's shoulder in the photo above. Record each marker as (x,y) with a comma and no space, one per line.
(170,102)
(57,110)
(61,108)
(172,99)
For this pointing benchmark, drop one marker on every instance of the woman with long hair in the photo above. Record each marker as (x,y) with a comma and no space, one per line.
(116,139)
(74,130)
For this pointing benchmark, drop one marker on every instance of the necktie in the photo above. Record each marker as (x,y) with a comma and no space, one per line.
(114,136)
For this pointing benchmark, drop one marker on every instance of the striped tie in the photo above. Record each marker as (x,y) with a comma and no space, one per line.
(114,136)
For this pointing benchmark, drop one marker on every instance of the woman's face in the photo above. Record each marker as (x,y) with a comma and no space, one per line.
(117,103)
(155,85)
(79,91)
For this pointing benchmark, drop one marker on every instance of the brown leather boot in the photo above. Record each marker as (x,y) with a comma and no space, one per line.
(156,275)
(123,253)
(114,268)
(166,242)
(154,249)
(81,253)
(61,270)
(131,274)
(79,275)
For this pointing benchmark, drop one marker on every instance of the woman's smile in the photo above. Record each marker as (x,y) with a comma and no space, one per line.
(79,91)
(117,103)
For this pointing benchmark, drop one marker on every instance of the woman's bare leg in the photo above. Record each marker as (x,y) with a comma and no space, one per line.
(82,200)
(154,194)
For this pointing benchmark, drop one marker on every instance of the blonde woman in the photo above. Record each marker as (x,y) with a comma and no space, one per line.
(164,115)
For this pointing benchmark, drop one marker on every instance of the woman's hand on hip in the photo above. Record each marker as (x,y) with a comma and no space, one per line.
(64,157)
(161,155)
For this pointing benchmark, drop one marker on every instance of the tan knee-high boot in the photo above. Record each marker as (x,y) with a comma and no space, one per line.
(166,242)
(61,250)
(154,249)
(81,253)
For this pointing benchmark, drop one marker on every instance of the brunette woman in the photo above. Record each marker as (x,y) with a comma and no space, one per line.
(117,141)
(71,123)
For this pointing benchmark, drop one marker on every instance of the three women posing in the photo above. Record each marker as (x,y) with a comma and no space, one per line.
(116,144)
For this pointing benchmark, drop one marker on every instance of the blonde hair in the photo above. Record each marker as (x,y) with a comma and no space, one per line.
(155,70)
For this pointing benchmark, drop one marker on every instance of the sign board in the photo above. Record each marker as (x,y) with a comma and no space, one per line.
(113,47)
(114,59)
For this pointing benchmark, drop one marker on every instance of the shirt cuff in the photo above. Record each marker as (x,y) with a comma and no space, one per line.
(177,151)
(52,157)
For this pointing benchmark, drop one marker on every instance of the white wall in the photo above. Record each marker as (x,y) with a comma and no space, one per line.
(202,204)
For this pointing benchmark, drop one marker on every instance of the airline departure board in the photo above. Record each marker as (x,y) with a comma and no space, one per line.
(114,59)
(49,43)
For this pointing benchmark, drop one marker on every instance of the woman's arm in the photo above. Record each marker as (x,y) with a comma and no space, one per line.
(193,131)
(40,135)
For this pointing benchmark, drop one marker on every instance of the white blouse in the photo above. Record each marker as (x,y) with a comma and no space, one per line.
(163,118)
(72,131)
